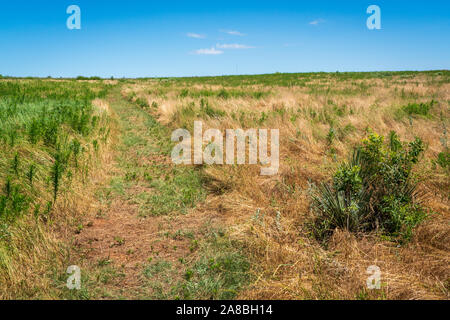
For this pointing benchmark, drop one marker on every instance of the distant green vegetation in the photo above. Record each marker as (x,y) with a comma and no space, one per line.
(223,93)
(88,78)
(301,79)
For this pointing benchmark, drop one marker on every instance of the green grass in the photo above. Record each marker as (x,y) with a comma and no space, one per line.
(223,93)
(219,274)
(46,129)
(178,191)
(172,189)
(50,134)
(220,271)
(297,79)
(421,109)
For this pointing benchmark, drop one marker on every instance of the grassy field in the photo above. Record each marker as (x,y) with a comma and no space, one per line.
(51,134)
(88,180)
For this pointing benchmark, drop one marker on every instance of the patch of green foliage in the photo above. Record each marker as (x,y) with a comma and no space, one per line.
(223,93)
(302,79)
(174,189)
(443,159)
(422,109)
(219,272)
(41,126)
(374,190)
(177,191)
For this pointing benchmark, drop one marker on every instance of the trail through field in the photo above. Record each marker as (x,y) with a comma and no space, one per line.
(143,233)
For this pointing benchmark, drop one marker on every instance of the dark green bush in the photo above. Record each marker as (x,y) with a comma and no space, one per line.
(375,190)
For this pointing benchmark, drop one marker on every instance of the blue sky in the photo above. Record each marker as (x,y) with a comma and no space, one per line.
(137,38)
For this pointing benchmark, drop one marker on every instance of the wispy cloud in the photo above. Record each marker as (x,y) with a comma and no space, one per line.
(316,22)
(233,46)
(233,32)
(196,35)
(212,51)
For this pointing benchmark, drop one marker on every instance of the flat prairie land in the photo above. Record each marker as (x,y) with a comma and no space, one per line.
(87,179)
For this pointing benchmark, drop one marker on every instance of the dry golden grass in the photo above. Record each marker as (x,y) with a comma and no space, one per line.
(268,214)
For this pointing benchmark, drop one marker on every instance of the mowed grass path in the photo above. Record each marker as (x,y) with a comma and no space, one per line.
(148,237)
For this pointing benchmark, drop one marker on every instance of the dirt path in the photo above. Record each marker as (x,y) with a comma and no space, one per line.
(142,221)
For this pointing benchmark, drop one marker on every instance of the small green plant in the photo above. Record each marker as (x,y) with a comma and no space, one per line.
(223,94)
(422,109)
(206,108)
(142,103)
(374,190)
(31,173)
(330,136)
(15,164)
(75,147)
(34,131)
(56,173)
(443,159)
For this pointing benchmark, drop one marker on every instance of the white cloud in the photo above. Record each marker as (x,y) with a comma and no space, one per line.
(316,22)
(196,35)
(233,46)
(233,32)
(212,51)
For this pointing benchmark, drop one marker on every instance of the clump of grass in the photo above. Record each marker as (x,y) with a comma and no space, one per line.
(31,173)
(142,103)
(422,109)
(443,159)
(219,274)
(374,190)
(206,108)
(177,192)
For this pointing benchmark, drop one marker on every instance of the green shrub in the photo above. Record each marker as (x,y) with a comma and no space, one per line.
(444,159)
(422,109)
(142,103)
(223,94)
(375,190)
